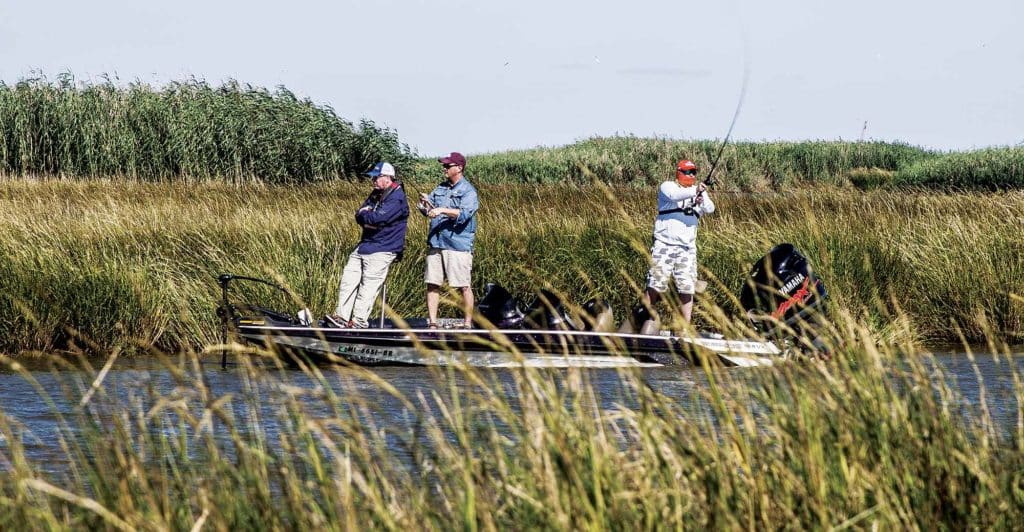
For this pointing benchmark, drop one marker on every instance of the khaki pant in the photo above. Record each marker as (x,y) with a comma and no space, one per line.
(360,281)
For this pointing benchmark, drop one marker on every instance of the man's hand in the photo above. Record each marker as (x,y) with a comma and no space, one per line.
(424,205)
(438,211)
(699,198)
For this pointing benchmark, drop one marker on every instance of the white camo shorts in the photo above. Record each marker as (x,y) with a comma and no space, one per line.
(672,262)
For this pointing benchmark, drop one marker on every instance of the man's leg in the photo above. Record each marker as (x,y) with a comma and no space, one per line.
(434,276)
(349,283)
(685,274)
(375,271)
(458,266)
(651,297)
(467,304)
(686,300)
(433,299)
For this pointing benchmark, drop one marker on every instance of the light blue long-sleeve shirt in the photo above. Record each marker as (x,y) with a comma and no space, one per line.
(454,233)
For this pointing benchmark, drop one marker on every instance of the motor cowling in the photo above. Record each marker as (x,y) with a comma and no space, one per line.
(783,296)
(500,308)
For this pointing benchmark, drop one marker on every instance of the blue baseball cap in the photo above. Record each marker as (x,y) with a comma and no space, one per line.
(382,168)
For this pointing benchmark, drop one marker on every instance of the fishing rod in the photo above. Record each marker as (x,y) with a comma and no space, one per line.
(709,180)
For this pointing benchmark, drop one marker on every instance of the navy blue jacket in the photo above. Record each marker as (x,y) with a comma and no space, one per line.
(383,216)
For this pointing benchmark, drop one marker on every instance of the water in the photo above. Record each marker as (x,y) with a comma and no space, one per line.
(36,404)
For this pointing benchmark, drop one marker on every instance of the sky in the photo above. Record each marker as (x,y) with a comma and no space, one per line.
(479,76)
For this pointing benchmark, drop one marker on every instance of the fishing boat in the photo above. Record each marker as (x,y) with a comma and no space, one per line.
(781,294)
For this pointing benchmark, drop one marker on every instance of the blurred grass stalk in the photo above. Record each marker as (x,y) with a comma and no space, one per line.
(876,437)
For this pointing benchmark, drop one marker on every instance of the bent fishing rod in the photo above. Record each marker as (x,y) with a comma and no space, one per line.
(709,180)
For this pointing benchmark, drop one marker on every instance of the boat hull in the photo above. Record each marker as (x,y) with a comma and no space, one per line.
(392,346)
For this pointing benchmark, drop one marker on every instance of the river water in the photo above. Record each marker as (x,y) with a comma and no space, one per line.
(36,398)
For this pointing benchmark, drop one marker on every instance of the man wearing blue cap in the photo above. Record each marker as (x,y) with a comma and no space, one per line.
(383,217)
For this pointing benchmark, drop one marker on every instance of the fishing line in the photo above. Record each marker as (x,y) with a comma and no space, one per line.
(709,181)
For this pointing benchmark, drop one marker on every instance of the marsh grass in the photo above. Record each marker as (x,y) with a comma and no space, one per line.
(750,166)
(111,260)
(184,131)
(875,438)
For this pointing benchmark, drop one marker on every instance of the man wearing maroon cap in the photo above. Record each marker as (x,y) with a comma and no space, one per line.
(451,208)
(681,203)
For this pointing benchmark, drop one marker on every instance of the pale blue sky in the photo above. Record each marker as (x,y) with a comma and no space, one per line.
(489,76)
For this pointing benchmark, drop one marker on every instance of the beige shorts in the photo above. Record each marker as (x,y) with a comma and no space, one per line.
(457,266)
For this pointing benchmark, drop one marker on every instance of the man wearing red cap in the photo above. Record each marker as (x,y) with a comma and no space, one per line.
(451,208)
(681,203)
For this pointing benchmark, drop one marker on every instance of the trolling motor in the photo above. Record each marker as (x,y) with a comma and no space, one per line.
(784,298)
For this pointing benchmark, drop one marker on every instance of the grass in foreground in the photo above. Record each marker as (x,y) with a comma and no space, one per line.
(875,438)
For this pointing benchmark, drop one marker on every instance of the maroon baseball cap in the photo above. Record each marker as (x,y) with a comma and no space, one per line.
(454,158)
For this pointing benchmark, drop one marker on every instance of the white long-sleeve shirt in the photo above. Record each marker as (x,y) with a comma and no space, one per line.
(679,228)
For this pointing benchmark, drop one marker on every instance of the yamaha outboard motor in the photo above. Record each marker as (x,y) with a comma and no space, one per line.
(500,308)
(783,296)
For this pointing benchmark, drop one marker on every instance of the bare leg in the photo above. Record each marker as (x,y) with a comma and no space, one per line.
(686,300)
(433,299)
(467,304)
(650,297)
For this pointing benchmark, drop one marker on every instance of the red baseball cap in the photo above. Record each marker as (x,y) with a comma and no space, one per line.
(685,164)
(454,158)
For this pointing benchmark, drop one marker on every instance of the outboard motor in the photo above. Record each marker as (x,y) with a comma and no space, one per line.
(548,312)
(783,294)
(500,308)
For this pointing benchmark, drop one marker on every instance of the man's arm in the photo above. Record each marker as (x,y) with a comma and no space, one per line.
(390,210)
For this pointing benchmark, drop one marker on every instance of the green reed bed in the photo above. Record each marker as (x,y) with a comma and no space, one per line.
(114,262)
(875,438)
(235,132)
(751,166)
(182,131)
(743,165)
(987,169)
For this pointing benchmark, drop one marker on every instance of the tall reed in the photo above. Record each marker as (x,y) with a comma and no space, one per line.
(111,260)
(645,161)
(183,131)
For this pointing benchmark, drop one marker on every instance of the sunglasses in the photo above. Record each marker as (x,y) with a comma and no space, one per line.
(449,165)
(687,172)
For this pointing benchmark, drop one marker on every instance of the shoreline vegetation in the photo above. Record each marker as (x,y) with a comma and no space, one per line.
(237,133)
(127,262)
